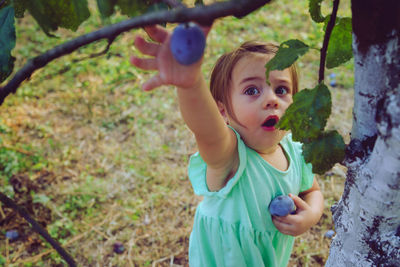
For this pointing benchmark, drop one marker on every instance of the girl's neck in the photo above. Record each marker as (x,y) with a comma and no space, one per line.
(276,157)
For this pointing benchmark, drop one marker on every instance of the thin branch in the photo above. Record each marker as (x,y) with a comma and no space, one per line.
(103,52)
(39,229)
(202,14)
(327,36)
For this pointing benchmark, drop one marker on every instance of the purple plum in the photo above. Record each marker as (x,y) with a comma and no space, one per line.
(187,43)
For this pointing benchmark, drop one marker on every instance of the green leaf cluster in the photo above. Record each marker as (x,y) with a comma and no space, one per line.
(287,54)
(339,49)
(54,14)
(129,7)
(306,118)
(311,108)
(308,115)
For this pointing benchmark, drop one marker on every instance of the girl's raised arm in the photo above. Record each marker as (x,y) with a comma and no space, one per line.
(216,142)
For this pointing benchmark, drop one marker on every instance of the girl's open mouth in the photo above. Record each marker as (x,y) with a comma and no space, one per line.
(270,122)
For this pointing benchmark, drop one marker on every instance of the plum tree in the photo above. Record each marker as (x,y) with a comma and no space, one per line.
(367,220)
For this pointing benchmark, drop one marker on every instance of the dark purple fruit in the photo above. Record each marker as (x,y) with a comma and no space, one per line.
(119,248)
(187,43)
(12,235)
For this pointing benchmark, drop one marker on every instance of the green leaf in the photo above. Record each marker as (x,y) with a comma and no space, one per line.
(7,41)
(325,151)
(314,7)
(287,54)
(134,7)
(129,7)
(157,7)
(51,14)
(306,117)
(199,2)
(19,7)
(106,7)
(340,49)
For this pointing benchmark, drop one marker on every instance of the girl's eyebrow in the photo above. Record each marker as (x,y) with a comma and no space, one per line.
(284,80)
(252,78)
(278,79)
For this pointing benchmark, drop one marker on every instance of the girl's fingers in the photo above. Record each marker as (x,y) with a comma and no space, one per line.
(283,227)
(152,83)
(144,63)
(145,47)
(280,219)
(300,203)
(157,33)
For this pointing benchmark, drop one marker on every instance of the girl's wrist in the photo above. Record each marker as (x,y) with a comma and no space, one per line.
(197,84)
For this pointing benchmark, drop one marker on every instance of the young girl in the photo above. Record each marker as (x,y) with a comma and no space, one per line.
(244,161)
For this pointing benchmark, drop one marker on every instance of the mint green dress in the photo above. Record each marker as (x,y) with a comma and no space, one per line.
(233,227)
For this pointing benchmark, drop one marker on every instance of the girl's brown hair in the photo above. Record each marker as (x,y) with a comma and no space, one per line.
(221,75)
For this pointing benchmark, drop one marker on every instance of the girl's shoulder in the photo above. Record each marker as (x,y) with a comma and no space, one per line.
(289,144)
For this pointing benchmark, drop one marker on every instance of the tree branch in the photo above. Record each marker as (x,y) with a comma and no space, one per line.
(39,229)
(202,14)
(327,36)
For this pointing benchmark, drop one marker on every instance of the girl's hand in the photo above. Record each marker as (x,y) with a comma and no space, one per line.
(170,72)
(298,223)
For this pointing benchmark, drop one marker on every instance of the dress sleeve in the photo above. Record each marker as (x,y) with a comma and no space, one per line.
(198,168)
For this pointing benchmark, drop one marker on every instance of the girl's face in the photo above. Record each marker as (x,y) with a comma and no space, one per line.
(257,105)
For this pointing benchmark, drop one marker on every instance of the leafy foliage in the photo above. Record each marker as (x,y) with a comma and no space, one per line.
(326,150)
(52,14)
(7,41)
(340,50)
(129,7)
(287,54)
(308,114)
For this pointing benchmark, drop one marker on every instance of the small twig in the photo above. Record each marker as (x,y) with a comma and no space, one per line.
(69,242)
(103,52)
(7,252)
(19,150)
(93,228)
(37,228)
(324,49)
(1,211)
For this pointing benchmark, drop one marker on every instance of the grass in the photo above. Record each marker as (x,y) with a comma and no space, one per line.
(106,162)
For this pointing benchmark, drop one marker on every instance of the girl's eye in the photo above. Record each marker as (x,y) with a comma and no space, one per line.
(281,90)
(252,91)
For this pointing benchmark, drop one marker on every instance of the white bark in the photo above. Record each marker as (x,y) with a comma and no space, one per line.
(367,218)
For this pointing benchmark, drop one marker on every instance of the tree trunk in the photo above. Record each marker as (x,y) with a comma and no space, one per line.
(367,217)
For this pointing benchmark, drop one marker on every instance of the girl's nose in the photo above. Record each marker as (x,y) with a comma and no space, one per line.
(271,101)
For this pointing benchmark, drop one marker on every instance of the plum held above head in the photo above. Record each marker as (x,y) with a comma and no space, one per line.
(187,43)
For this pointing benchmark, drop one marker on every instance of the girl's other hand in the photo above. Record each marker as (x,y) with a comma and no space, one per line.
(170,72)
(298,223)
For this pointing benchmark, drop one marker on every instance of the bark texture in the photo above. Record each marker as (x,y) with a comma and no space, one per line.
(367,218)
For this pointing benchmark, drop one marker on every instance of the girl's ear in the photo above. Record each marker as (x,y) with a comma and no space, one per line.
(222,110)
